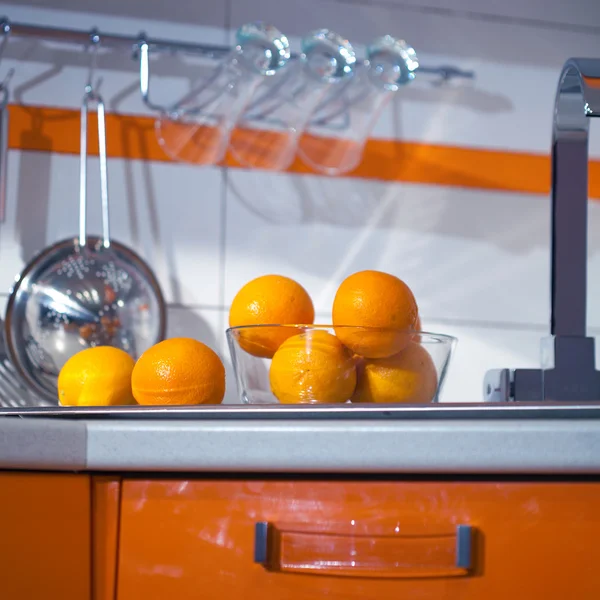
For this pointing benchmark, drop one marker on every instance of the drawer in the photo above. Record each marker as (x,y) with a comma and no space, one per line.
(359,539)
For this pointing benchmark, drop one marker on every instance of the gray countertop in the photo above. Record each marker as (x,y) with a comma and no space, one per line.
(433,444)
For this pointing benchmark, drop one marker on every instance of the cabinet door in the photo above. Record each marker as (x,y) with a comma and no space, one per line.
(361,539)
(44,536)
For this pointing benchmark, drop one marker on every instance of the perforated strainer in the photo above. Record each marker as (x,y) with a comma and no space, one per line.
(81,292)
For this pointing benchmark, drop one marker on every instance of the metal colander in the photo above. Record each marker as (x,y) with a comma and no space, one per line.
(81,292)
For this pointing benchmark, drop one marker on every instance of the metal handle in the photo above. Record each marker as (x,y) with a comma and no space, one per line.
(91,96)
(358,555)
(3,149)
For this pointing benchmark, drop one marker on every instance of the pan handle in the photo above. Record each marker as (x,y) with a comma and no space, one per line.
(93,97)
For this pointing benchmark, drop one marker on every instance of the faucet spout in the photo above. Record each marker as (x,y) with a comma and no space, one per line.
(568,372)
(577,99)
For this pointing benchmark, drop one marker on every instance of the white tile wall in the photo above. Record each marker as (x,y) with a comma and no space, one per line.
(477,260)
(581,15)
(467,254)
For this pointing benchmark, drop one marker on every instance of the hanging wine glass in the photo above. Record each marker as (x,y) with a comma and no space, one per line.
(267,133)
(197,128)
(334,140)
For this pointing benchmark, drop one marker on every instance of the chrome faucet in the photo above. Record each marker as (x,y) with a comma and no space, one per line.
(568,371)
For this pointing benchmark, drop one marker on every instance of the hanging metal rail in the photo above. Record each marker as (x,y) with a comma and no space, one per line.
(133,44)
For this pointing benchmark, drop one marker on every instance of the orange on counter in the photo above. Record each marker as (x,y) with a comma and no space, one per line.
(270,300)
(178,371)
(374,299)
(312,367)
(98,376)
(409,376)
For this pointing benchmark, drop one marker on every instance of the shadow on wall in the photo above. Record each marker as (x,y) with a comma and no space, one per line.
(33,190)
(162,252)
(187,322)
(467,96)
(516,223)
(201,12)
(443,240)
(33,193)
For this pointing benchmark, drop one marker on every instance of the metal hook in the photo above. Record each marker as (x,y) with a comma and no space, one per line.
(4,97)
(143,48)
(92,95)
(5,31)
(94,45)
(144,51)
(89,97)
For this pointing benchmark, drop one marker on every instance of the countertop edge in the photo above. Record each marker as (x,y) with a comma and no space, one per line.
(46,445)
(519,447)
(427,447)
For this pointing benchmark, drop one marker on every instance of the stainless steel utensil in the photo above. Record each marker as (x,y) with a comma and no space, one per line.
(13,391)
(4,95)
(81,292)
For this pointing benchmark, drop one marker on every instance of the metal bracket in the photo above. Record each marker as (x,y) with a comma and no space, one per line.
(464,547)
(261,542)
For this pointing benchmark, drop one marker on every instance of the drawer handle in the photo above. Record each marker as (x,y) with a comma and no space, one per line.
(350,555)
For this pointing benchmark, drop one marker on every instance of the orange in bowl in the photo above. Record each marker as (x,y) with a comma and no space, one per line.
(373,299)
(312,367)
(270,300)
(409,376)
(178,371)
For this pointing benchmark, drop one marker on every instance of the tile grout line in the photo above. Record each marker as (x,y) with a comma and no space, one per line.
(223,247)
(223,320)
(221,342)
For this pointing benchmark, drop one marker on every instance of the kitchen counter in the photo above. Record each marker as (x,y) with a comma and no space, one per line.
(487,440)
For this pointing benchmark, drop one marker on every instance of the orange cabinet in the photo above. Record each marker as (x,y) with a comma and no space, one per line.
(44,536)
(363,539)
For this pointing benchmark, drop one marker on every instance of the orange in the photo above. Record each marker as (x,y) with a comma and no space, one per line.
(409,376)
(312,367)
(98,376)
(378,300)
(178,371)
(270,300)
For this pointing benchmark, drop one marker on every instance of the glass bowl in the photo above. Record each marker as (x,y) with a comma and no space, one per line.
(323,364)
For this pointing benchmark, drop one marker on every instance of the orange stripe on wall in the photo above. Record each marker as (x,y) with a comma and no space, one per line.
(57,130)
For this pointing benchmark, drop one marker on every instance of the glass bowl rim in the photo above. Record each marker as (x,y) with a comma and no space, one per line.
(430,336)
